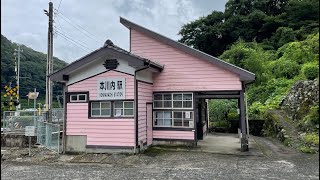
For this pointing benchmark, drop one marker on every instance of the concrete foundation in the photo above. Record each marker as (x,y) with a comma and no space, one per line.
(16,140)
(173,142)
(78,144)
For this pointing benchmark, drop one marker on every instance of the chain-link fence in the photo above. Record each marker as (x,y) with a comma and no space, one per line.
(16,121)
(48,135)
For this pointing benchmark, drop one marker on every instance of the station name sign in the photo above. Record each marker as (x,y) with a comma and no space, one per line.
(111,88)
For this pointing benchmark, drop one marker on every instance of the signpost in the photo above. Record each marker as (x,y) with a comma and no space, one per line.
(30,131)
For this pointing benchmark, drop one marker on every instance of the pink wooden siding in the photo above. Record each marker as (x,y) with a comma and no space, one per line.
(103,132)
(182,72)
(188,135)
(109,132)
(144,96)
(91,84)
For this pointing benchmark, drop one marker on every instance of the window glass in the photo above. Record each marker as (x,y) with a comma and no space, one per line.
(73,97)
(187,97)
(187,104)
(167,115)
(167,122)
(177,122)
(157,104)
(118,104)
(177,96)
(105,112)
(177,104)
(186,123)
(128,104)
(128,112)
(95,105)
(159,115)
(82,97)
(157,97)
(167,96)
(167,104)
(105,105)
(173,118)
(177,114)
(123,108)
(95,112)
(173,101)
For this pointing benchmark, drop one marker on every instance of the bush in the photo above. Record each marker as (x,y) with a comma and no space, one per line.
(233,116)
(310,70)
(311,139)
(311,121)
(285,69)
(306,149)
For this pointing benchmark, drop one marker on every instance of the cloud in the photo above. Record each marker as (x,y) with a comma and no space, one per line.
(24,21)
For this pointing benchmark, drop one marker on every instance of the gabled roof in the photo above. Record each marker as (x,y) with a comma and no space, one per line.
(108,48)
(245,75)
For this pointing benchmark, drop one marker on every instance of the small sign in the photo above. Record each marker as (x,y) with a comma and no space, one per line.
(118,112)
(187,115)
(191,124)
(30,131)
(33,95)
(111,88)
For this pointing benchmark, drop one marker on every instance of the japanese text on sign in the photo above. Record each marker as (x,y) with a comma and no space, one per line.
(111,88)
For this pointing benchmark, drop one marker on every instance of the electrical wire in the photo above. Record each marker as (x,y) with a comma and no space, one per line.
(77,26)
(69,36)
(73,41)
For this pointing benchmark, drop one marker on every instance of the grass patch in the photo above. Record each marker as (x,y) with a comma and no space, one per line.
(154,151)
(306,149)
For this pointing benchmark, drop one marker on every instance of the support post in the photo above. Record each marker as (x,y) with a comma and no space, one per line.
(49,61)
(244,137)
(29,145)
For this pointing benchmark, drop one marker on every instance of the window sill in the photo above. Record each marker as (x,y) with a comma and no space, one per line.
(173,128)
(111,117)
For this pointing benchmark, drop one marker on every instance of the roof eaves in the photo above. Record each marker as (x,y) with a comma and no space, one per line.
(84,60)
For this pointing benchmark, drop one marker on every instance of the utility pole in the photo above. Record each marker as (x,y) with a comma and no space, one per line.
(17,69)
(49,59)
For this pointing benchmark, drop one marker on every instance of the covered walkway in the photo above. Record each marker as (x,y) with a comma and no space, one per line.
(224,143)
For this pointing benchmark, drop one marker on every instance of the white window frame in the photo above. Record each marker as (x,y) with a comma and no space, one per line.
(77,95)
(109,102)
(172,119)
(123,108)
(182,93)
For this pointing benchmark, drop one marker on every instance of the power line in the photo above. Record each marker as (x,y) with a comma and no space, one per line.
(73,41)
(77,26)
(69,36)
(59,5)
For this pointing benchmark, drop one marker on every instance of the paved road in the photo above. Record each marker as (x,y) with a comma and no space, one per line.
(172,165)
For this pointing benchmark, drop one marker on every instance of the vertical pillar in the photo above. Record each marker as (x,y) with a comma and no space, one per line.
(244,137)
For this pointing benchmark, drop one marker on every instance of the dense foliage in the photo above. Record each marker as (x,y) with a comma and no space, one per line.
(278,40)
(32,69)
(270,22)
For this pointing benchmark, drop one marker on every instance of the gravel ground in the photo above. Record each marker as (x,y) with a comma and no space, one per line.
(279,162)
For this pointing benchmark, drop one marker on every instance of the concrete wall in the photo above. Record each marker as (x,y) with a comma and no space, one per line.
(16,140)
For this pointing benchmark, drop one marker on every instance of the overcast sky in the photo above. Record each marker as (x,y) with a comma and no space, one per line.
(91,23)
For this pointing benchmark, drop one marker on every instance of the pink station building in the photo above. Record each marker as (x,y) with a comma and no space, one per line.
(155,93)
